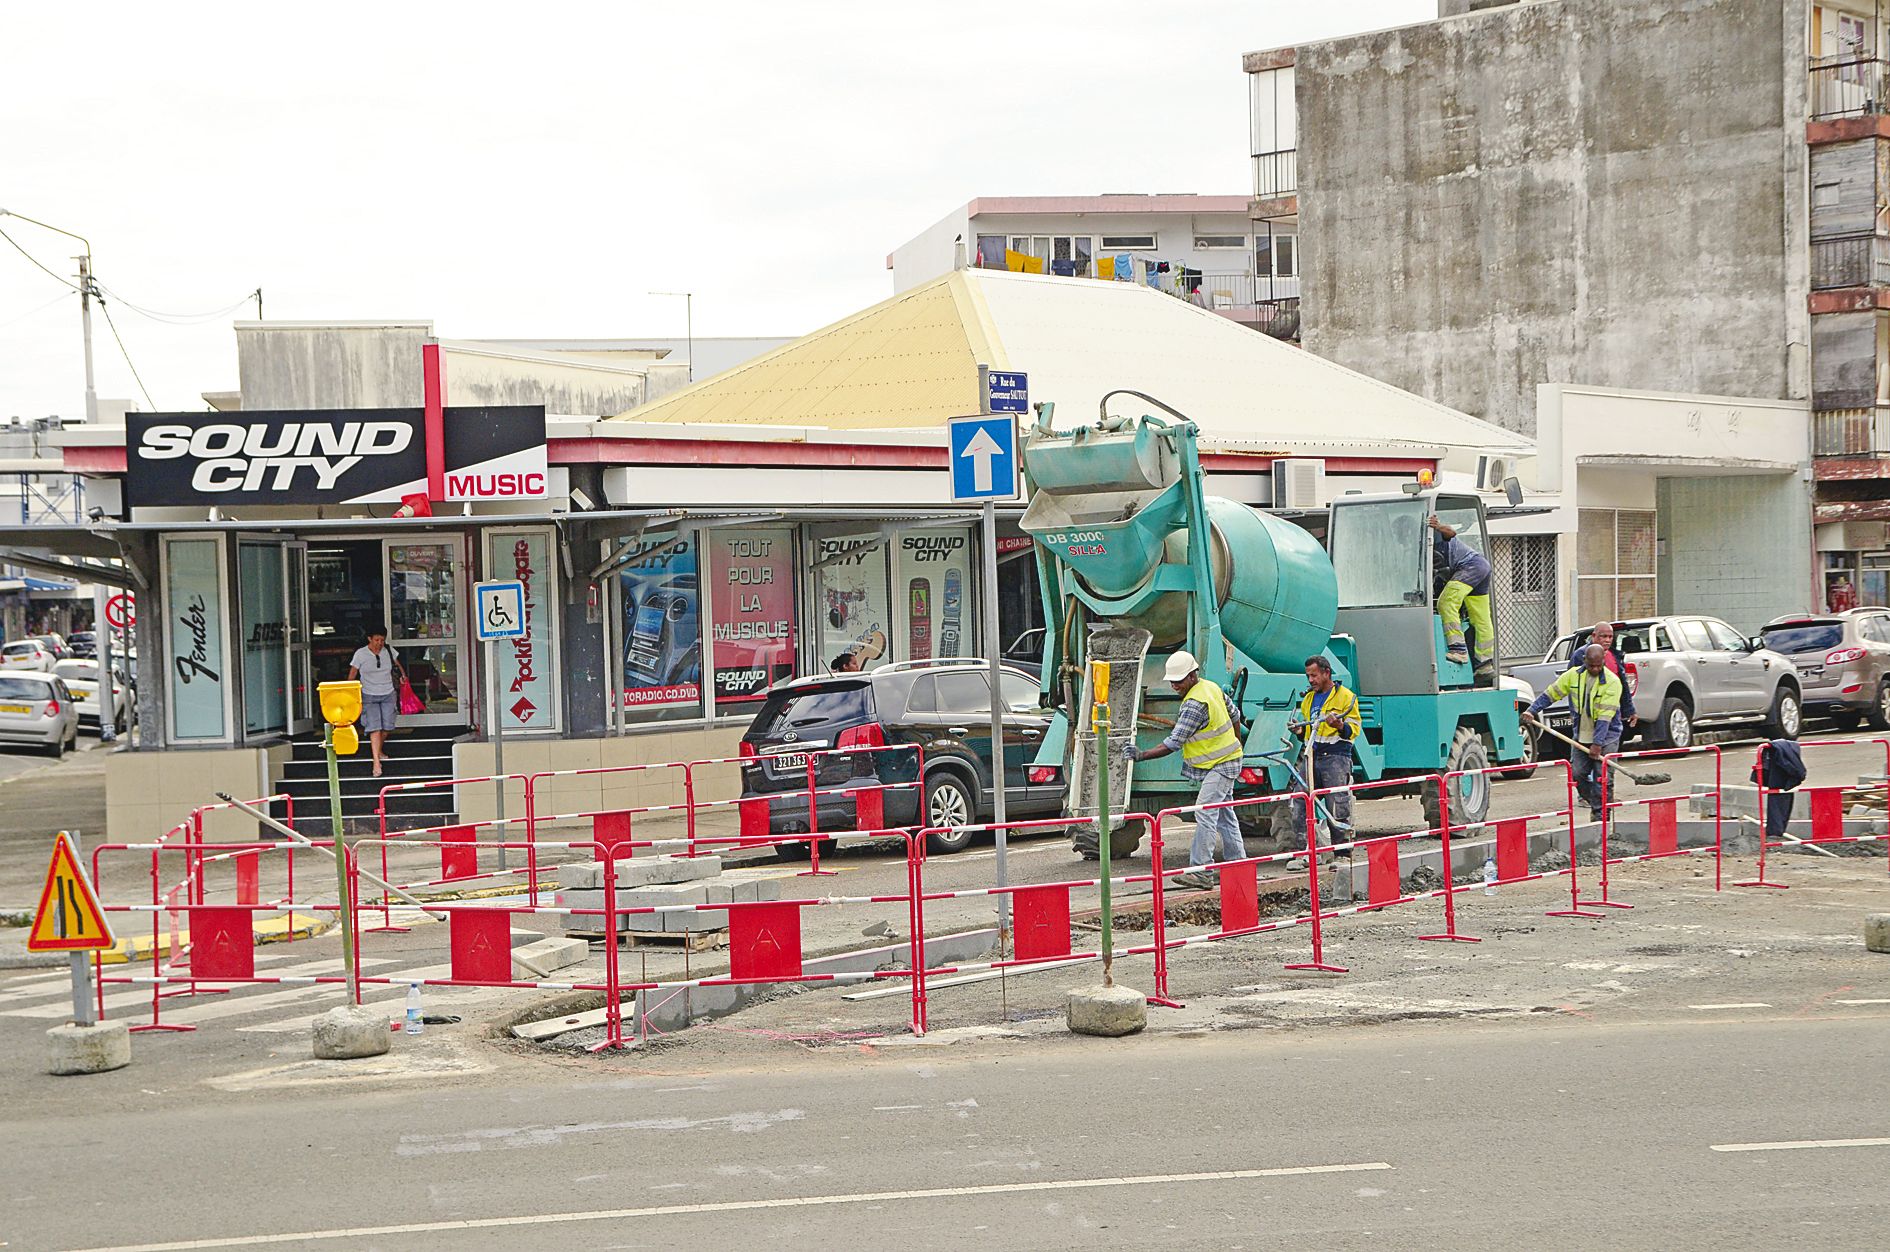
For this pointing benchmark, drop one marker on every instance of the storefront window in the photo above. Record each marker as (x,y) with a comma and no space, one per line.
(265,638)
(195,668)
(851,601)
(751,612)
(527,666)
(423,604)
(660,630)
(933,610)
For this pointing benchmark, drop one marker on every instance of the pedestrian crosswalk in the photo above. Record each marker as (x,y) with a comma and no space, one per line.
(268,1008)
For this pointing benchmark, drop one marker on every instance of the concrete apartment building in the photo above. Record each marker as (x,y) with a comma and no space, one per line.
(1204,249)
(1574,218)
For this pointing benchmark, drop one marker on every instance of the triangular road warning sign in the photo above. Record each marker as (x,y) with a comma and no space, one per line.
(69,917)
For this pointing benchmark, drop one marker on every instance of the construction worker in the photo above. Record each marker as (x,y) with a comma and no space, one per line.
(1329,722)
(1461,576)
(1208,739)
(1595,694)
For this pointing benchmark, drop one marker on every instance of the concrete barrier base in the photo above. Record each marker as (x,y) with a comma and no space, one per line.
(1877,932)
(96,1049)
(1107,1011)
(345,1033)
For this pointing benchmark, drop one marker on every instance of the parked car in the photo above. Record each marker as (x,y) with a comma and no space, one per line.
(1686,672)
(1843,662)
(37,708)
(1026,651)
(84,643)
(60,649)
(942,706)
(82,680)
(27,654)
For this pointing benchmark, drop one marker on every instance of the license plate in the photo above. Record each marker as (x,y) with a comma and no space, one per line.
(15,708)
(785,761)
(81,693)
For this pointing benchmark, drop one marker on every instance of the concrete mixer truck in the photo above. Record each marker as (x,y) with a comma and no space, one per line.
(1135,562)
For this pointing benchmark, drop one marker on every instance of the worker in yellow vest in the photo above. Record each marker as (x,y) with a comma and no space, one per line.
(1330,723)
(1208,738)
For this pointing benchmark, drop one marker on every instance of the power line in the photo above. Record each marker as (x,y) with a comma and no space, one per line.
(122,352)
(179,319)
(64,295)
(36,261)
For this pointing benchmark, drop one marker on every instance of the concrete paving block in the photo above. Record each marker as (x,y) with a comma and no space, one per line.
(543,957)
(95,1049)
(1877,932)
(1107,1011)
(721,891)
(758,890)
(639,871)
(344,1033)
(695,921)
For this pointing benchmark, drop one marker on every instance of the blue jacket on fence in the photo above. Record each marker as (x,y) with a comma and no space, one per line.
(1784,769)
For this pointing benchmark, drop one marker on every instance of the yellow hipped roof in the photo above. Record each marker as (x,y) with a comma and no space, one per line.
(912,361)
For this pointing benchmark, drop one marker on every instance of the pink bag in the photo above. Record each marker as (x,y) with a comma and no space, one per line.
(409,702)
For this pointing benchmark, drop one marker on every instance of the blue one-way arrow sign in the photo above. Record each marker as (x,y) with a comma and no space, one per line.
(983,458)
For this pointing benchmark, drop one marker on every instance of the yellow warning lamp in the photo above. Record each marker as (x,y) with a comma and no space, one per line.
(1427,478)
(1099,693)
(345,740)
(341,702)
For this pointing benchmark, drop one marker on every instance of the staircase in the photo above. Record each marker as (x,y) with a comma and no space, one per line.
(418,754)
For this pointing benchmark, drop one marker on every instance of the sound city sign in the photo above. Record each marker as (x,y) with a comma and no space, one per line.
(331,456)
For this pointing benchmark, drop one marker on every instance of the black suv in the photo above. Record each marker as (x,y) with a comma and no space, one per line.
(941,706)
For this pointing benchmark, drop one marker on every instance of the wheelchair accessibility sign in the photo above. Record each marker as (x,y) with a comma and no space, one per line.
(501,609)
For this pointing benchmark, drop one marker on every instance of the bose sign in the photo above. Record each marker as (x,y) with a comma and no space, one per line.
(342,456)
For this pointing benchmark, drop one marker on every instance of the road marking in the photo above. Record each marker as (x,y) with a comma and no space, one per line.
(738,1206)
(1862,1001)
(1792,1144)
(1707,1008)
(895,1108)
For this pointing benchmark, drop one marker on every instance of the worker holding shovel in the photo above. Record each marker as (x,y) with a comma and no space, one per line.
(1595,693)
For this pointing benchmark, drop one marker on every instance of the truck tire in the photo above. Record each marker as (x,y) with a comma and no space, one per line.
(1274,827)
(1123,840)
(1676,724)
(1469,796)
(1787,717)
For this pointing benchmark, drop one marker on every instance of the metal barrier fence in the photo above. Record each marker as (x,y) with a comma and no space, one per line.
(1827,809)
(1662,816)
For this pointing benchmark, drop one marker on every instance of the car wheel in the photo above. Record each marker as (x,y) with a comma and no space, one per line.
(1880,707)
(55,750)
(1676,723)
(1786,717)
(950,806)
(1469,795)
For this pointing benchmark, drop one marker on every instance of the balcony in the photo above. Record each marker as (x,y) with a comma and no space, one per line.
(1275,174)
(1269,305)
(1850,432)
(1846,86)
(1849,261)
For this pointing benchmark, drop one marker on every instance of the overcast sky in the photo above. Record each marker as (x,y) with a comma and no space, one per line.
(533,171)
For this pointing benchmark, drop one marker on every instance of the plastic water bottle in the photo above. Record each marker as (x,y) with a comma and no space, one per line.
(414,1024)
(1489,879)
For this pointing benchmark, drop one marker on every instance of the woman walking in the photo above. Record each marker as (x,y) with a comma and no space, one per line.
(379,669)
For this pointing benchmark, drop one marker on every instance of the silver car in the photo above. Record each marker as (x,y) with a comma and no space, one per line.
(1686,670)
(1843,661)
(38,709)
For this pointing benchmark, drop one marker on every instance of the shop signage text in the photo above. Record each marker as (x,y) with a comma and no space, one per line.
(332,456)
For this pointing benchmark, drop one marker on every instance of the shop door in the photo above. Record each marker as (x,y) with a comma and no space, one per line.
(302,716)
(426,625)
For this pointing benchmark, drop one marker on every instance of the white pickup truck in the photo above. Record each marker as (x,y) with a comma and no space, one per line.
(1687,671)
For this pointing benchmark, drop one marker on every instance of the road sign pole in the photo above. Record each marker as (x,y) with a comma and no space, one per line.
(998,763)
(498,742)
(84,1012)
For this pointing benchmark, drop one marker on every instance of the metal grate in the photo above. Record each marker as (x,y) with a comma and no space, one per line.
(1525,594)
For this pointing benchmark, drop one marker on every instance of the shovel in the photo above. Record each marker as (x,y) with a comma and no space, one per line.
(1643,780)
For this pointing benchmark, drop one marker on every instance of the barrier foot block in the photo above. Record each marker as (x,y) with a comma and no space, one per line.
(1577,912)
(601,1044)
(1322,967)
(1166,1003)
(160,1026)
(1758,882)
(1604,904)
(386,930)
(1448,939)
(817,873)
(194,991)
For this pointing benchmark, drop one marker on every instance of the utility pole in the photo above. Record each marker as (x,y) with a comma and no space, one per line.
(689,324)
(86,291)
(259,316)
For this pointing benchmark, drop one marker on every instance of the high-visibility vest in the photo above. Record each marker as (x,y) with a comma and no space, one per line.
(1215,743)
(1339,700)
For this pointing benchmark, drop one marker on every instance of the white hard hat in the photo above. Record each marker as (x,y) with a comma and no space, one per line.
(1179,666)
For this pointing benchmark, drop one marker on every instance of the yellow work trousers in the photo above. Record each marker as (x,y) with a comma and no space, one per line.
(1455,604)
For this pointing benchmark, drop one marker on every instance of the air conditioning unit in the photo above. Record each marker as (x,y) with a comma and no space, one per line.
(1492,470)
(1299,482)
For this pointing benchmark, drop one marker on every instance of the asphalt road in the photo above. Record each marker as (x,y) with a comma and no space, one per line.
(1540,1133)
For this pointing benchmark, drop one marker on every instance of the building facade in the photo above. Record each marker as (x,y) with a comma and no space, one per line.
(1600,195)
(1204,249)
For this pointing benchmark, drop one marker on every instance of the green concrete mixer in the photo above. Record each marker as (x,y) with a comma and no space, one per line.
(1136,562)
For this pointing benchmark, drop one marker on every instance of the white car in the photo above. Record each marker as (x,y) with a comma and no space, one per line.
(82,680)
(38,709)
(28,654)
